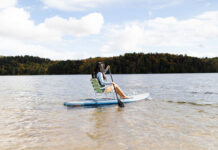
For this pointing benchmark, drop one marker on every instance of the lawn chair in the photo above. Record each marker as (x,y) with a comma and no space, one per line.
(97,87)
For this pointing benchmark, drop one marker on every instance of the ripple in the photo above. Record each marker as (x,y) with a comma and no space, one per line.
(195,103)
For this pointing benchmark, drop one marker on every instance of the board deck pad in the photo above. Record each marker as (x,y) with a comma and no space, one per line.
(106,101)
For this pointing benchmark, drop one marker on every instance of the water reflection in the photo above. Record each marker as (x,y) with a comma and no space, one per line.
(105,130)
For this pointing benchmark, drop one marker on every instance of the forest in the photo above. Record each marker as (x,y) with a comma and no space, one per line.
(129,63)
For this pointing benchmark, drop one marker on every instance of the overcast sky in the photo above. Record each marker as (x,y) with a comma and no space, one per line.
(77,29)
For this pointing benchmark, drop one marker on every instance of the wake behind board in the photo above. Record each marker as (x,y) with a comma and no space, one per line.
(106,101)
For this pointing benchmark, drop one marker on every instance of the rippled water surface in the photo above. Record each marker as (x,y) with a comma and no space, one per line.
(182,114)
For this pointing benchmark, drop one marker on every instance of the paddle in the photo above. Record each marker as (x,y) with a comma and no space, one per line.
(120,104)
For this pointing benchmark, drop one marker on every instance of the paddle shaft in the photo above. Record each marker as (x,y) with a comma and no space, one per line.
(118,100)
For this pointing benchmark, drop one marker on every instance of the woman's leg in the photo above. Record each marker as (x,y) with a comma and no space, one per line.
(120,92)
(109,89)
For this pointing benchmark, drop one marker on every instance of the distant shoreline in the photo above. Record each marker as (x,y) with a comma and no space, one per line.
(129,63)
(108,74)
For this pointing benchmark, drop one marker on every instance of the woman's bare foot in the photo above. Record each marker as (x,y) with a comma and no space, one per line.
(125,97)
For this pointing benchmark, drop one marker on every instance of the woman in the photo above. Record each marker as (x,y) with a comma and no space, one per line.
(100,75)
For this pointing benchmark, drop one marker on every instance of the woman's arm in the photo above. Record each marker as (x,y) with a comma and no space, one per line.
(101,79)
(107,68)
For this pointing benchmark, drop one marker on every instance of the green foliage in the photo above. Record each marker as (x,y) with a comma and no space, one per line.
(23,65)
(127,63)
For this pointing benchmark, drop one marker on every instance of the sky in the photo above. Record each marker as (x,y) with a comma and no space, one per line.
(78,29)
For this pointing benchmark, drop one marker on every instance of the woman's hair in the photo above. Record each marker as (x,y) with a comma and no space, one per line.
(99,68)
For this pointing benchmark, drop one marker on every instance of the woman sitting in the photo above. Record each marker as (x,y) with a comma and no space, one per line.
(108,86)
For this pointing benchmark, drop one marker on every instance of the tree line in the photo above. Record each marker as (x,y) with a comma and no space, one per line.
(128,63)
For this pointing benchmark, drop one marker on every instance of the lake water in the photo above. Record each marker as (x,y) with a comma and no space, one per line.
(182,114)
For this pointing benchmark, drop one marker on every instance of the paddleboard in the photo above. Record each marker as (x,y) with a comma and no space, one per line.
(106,101)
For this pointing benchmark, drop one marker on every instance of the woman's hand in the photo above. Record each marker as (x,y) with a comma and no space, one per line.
(108,67)
(113,83)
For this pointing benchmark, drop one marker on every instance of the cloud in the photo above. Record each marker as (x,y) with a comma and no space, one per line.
(12,47)
(56,51)
(165,33)
(7,3)
(76,5)
(90,24)
(16,24)
(20,35)
(80,5)
(20,26)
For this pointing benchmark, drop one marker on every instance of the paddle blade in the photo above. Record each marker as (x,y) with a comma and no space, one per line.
(120,104)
